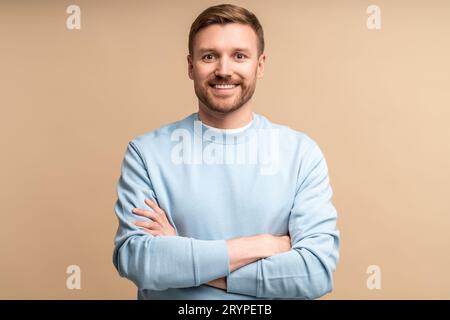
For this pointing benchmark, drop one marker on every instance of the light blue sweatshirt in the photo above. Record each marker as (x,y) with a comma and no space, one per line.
(216,186)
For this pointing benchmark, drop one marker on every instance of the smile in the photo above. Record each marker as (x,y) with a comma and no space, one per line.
(224,90)
(224,86)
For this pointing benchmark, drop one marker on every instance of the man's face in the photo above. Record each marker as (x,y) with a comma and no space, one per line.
(225,66)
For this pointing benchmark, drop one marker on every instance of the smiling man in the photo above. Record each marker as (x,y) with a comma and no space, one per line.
(203,211)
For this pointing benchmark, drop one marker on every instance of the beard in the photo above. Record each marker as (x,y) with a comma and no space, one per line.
(225,105)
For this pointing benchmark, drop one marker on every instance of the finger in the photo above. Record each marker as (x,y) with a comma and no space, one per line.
(153,232)
(153,205)
(144,213)
(160,212)
(147,225)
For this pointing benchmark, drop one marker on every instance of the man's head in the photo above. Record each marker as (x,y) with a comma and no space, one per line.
(226,57)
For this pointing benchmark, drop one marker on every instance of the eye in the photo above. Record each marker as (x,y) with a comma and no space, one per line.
(240,56)
(208,57)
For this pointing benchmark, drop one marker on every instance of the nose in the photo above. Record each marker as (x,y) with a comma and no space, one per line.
(223,68)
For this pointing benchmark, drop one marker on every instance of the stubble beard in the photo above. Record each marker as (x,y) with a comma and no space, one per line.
(230,104)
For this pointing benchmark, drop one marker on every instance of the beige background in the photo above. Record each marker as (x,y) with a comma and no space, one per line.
(377,102)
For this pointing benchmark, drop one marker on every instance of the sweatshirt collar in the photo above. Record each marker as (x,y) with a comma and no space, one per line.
(225,136)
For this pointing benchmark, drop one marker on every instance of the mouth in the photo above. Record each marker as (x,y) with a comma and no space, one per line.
(224,90)
(223,86)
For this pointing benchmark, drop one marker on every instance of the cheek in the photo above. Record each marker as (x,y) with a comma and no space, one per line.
(248,72)
(202,73)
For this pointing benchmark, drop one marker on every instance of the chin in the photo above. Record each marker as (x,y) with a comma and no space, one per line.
(223,108)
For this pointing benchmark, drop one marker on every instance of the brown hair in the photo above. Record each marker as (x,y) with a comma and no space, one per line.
(223,14)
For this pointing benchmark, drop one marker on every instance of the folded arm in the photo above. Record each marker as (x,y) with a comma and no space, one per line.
(245,250)
(304,272)
(158,262)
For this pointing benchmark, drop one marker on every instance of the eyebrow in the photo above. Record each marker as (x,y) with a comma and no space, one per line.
(202,50)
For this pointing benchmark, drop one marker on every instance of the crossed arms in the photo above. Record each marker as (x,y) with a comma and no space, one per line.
(260,266)
(241,251)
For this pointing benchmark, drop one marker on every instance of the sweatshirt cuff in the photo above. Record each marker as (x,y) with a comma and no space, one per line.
(244,280)
(211,260)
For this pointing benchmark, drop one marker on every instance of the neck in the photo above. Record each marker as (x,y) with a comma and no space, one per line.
(233,120)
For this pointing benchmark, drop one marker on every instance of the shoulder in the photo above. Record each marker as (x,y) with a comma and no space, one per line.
(289,137)
(161,136)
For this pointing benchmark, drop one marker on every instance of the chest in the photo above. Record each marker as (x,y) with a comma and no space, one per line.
(222,202)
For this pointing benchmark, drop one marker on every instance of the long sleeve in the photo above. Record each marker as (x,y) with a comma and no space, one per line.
(304,272)
(158,263)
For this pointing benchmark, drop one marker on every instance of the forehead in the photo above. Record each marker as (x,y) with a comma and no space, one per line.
(224,37)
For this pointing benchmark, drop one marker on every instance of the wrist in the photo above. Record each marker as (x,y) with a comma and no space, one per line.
(263,245)
(245,250)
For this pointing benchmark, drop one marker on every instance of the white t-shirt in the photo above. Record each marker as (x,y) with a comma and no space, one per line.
(236,130)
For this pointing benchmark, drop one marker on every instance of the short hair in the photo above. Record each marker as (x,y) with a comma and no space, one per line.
(224,14)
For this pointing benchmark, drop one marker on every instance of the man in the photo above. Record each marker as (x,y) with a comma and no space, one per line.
(225,204)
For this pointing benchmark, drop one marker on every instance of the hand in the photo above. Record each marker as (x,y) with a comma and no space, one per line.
(160,226)
(276,244)
(245,250)
(220,283)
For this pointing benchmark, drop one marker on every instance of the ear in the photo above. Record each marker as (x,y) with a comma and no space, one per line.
(261,64)
(190,67)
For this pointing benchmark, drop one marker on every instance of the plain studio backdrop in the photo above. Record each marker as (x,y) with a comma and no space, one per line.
(376,101)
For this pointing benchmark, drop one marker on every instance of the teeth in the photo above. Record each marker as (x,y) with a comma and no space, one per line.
(224,86)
